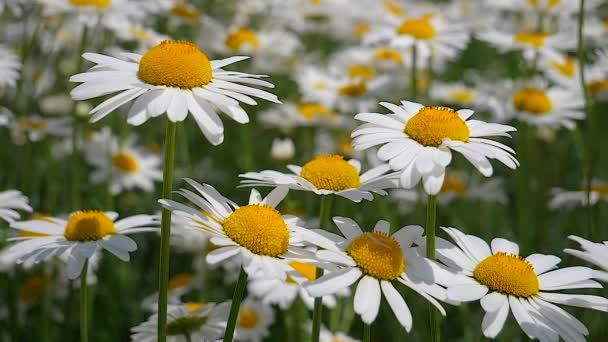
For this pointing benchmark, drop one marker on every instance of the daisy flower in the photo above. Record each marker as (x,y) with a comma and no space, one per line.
(326,175)
(418,141)
(179,285)
(456,93)
(174,77)
(593,252)
(562,198)
(253,321)
(376,261)
(256,235)
(304,114)
(34,128)
(549,45)
(328,336)
(10,202)
(282,149)
(186,322)
(504,281)
(93,12)
(9,67)
(79,237)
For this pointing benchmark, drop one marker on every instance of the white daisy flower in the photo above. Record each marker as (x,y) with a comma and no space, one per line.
(326,175)
(34,128)
(78,237)
(179,285)
(546,7)
(304,114)
(127,165)
(10,67)
(282,149)
(504,281)
(593,252)
(549,45)
(10,202)
(328,336)
(418,141)
(316,85)
(93,12)
(456,93)
(256,235)
(253,321)
(186,322)
(174,77)
(376,261)
(562,198)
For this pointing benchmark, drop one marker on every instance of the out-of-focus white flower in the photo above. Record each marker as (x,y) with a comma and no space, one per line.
(282,149)
(10,67)
(562,198)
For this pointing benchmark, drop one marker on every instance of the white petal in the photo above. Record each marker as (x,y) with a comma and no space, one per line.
(504,245)
(467,293)
(367,299)
(333,282)
(397,304)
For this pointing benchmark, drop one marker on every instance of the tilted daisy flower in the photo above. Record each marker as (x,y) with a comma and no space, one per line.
(254,320)
(9,67)
(10,202)
(186,322)
(418,140)
(256,235)
(78,237)
(593,252)
(326,175)
(176,78)
(506,282)
(562,198)
(376,261)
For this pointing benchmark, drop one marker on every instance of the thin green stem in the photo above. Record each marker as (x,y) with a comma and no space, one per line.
(414,74)
(75,162)
(188,337)
(317,314)
(431,222)
(237,297)
(367,332)
(84,318)
(165,233)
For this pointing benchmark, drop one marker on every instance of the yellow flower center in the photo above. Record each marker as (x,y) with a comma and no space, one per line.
(345,145)
(533,101)
(193,306)
(186,12)
(312,110)
(535,39)
(394,8)
(31,124)
(306,270)
(602,189)
(125,162)
(433,124)
(508,274)
(567,68)
(89,225)
(186,325)
(463,96)
(331,172)
(384,54)
(377,255)
(243,36)
(96,3)
(453,183)
(596,87)
(360,30)
(258,227)
(361,71)
(32,288)
(418,28)
(175,63)
(354,89)
(551,3)
(180,280)
(320,85)
(248,319)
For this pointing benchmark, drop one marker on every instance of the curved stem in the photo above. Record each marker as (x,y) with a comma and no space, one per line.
(431,222)
(84,323)
(367,332)
(317,314)
(237,297)
(165,233)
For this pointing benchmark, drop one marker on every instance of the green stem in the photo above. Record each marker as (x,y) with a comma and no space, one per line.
(317,314)
(188,337)
(414,74)
(165,233)
(237,297)
(84,323)
(431,222)
(367,332)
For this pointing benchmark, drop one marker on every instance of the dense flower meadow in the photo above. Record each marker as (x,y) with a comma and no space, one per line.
(303,170)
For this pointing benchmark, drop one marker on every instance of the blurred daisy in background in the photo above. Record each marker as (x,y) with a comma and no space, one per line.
(93,12)
(35,128)
(549,45)
(292,115)
(179,285)
(506,282)
(176,78)
(592,252)
(326,175)
(10,202)
(376,261)
(417,141)
(282,149)
(254,321)
(456,93)
(79,237)
(10,67)
(328,336)
(562,198)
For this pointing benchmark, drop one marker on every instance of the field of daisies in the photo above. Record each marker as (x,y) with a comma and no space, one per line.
(303,170)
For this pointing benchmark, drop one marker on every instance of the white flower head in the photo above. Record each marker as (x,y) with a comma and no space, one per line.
(254,320)
(9,67)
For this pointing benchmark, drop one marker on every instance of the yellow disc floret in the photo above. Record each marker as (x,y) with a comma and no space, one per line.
(361,71)
(31,124)
(567,68)
(392,55)
(533,101)
(175,63)
(186,12)
(312,110)
(421,28)
(433,124)
(377,255)
(89,225)
(361,29)
(95,3)
(248,319)
(186,325)
(258,227)
(535,39)
(598,87)
(463,96)
(125,162)
(308,271)
(241,37)
(353,89)
(180,280)
(507,273)
(331,172)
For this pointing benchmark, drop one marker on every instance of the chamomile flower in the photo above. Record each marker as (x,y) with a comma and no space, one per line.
(186,322)
(562,198)
(93,12)
(256,235)
(78,237)
(174,77)
(376,261)
(456,93)
(328,336)
(34,128)
(593,252)
(179,285)
(418,141)
(506,282)
(549,45)
(326,175)
(304,114)
(10,202)
(282,149)
(9,67)
(253,321)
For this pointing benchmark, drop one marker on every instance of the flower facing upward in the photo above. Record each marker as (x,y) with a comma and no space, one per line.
(174,77)
(418,140)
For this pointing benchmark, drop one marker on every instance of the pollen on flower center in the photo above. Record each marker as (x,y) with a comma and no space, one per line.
(96,3)
(353,89)
(241,37)
(258,227)
(433,124)
(331,172)
(377,255)
(532,100)
(507,273)
(418,28)
(535,39)
(361,71)
(186,325)
(89,225)
(248,319)
(175,63)
(311,110)
(308,271)
(125,162)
